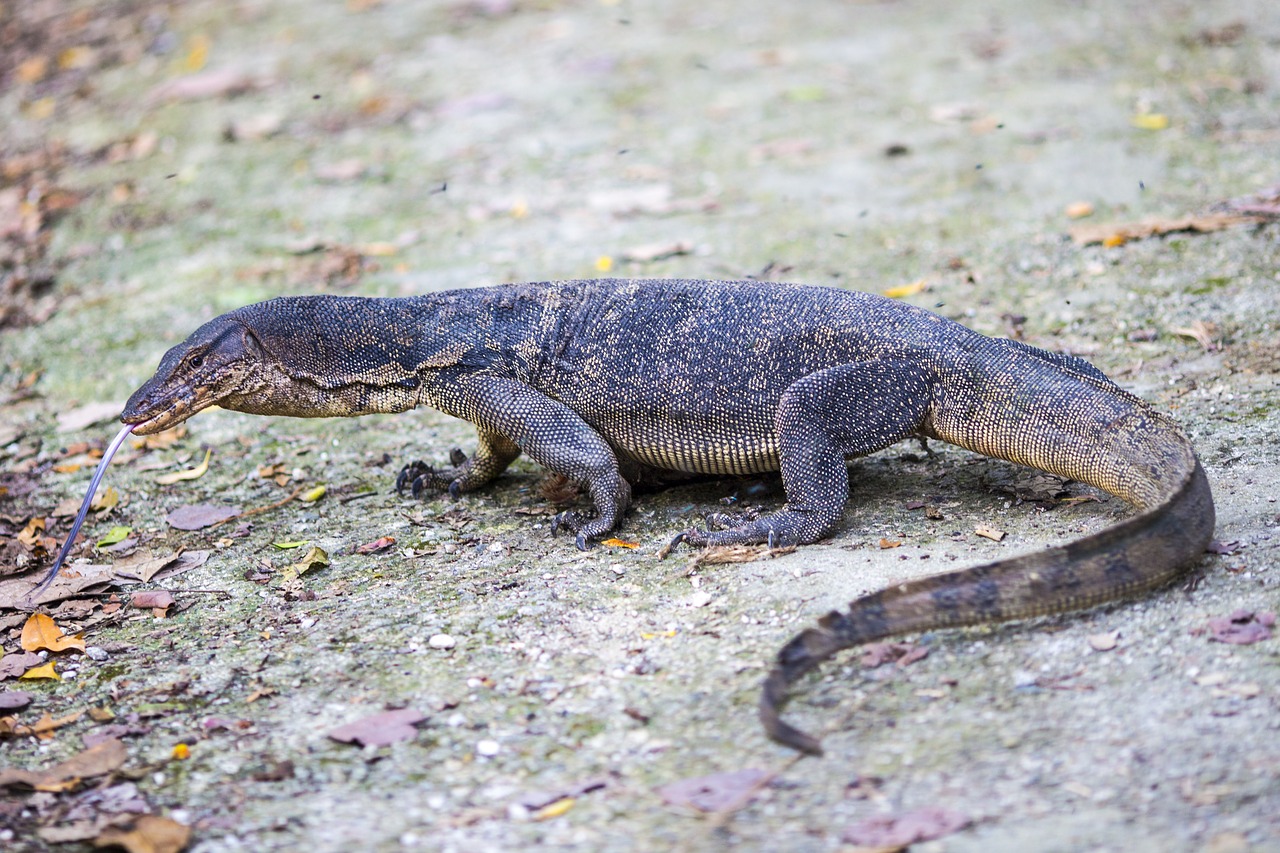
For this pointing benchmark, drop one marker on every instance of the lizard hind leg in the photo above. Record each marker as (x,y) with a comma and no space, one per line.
(822,419)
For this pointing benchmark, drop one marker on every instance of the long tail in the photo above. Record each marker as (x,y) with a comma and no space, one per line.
(1157,471)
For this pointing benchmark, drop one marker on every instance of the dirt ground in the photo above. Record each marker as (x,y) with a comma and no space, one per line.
(166,162)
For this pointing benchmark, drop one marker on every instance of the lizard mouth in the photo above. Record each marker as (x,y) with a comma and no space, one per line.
(158,418)
(156,422)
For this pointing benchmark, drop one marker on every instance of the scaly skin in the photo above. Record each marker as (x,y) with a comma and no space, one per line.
(610,381)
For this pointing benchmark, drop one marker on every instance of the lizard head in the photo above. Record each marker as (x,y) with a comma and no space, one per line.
(220,363)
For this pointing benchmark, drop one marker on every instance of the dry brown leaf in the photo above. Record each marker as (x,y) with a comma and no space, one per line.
(207,84)
(38,673)
(160,440)
(146,833)
(97,760)
(657,251)
(158,601)
(380,729)
(1242,628)
(1201,332)
(382,543)
(47,724)
(988,532)
(30,534)
(898,831)
(200,516)
(14,700)
(1117,234)
(74,579)
(88,415)
(14,665)
(716,792)
(41,632)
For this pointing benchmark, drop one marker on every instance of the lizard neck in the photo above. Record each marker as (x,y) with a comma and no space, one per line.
(333,356)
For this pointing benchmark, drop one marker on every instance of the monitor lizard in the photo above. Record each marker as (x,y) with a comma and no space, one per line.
(607,381)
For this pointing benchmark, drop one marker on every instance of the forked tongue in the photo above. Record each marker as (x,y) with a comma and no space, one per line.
(84,511)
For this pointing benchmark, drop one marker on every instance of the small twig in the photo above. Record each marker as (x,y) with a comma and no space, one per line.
(260,509)
(349,498)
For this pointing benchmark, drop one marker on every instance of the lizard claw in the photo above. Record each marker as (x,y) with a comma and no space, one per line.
(405,477)
(455,489)
(568,519)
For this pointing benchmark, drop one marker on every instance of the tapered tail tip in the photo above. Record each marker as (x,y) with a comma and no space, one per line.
(772,697)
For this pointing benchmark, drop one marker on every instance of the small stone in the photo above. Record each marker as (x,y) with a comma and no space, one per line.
(488,748)
(1104,642)
(98,653)
(699,599)
(442,641)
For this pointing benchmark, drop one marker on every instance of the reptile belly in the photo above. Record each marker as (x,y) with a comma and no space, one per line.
(721,455)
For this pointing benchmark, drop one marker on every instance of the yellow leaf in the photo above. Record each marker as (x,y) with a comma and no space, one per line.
(1150,121)
(555,809)
(41,108)
(604,263)
(80,56)
(285,546)
(190,474)
(197,53)
(315,558)
(906,289)
(181,752)
(310,496)
(1079,210)
(1115,240)
(106,501)
(41,632)
(42,671)
(33,69)
(30,535)
(620,543)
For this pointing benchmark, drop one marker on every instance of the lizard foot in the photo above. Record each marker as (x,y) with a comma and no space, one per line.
(586,526)
(420,477)
(754,533)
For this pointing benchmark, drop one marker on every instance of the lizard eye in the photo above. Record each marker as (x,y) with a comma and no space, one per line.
(196,361)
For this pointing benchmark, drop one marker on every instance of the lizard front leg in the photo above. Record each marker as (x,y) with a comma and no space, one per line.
(822,419)
(494,452)
(512,418)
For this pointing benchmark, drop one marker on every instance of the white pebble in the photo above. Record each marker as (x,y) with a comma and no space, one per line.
(441,641)
(488,748)
(98,653)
